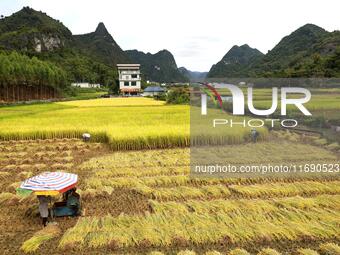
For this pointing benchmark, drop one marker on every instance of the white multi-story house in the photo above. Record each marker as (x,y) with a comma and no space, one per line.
(129,79)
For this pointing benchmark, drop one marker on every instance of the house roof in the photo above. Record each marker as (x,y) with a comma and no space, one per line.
(154,89)
(128,66)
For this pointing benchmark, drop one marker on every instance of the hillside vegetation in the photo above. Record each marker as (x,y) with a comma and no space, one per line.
(236,62)
(159,67)
(310,51)
(90,57)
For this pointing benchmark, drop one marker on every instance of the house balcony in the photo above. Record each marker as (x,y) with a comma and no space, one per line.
(130,72)
(122,78)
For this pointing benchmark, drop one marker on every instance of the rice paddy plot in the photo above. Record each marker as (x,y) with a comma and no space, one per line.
(128,123)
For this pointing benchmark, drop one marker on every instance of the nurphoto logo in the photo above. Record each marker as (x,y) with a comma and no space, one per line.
(238,104)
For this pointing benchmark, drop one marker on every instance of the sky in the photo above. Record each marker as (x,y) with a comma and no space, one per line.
(197,32)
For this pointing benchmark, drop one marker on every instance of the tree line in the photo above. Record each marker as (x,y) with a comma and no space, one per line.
(23,78)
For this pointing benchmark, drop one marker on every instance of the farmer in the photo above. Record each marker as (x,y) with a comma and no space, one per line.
(254,134)
(73,201)
(43,208)
(86,137)
(70,206)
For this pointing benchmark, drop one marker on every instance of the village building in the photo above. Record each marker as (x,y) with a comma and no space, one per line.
(153,91)
(129,79)
(85,85)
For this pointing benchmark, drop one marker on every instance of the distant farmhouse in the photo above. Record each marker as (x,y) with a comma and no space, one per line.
(129,79)
(153,91)
(85,85)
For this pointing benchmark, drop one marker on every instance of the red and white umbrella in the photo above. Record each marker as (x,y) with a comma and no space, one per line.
(50,183)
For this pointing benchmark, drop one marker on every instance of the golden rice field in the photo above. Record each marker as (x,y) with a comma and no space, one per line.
(146,202)
(20,160)
(189,215)
(125,123)
(129,123)
(142,199)
(135,123)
